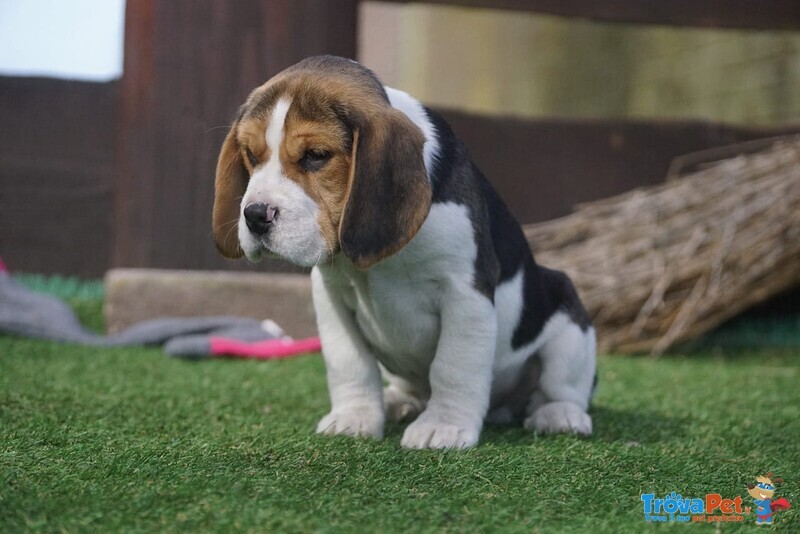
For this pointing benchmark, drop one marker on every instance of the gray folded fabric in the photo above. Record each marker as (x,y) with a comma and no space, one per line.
(26,313)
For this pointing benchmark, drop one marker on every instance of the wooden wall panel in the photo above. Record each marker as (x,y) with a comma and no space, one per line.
(56,175)
(189,64)
(543,167)
(742,14)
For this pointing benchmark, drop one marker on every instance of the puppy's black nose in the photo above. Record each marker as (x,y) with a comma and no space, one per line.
(260,217)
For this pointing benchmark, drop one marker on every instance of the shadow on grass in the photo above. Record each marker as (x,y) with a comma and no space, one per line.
(636,426)
(611,425)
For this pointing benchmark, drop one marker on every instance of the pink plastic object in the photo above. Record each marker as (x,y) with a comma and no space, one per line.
(271,349)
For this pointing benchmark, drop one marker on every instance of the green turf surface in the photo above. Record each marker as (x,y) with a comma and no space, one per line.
(127,439)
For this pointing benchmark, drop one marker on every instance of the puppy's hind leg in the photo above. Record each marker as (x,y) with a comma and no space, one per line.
(401,400)
(568,367)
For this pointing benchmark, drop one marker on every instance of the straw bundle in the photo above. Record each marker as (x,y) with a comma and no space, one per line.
(661,265)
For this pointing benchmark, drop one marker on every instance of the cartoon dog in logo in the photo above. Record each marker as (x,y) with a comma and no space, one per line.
(762,492)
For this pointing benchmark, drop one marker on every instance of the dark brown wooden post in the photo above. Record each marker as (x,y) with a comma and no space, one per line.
(188,65)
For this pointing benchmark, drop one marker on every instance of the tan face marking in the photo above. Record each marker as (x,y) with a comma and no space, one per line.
(346,172)
(292,230)
(324,172)
(250,136)
(325,185)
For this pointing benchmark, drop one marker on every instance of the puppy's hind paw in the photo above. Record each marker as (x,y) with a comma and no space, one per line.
(560,418)
(401,406)
(352,423)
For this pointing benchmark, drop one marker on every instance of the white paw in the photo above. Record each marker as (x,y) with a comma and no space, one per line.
(560,417)
(401,406)
(352,422)
(438,431)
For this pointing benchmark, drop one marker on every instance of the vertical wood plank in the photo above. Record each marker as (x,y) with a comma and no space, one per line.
(56,175)
(189,64)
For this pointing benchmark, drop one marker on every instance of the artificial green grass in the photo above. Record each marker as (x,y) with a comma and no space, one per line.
(65,287)
(128,439)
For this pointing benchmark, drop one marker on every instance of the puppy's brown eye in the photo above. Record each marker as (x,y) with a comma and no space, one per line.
(314,159)
(252,157)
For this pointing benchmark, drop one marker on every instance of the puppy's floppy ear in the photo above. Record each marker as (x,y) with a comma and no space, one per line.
(389,195)
(229,188)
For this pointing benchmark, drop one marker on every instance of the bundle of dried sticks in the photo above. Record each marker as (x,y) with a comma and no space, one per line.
(665,264)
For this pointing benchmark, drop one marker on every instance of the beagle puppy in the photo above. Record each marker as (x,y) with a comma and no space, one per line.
(421,277)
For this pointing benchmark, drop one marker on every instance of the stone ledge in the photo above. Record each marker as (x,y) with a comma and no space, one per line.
(134,295)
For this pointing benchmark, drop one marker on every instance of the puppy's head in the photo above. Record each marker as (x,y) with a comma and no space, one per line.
(319,163)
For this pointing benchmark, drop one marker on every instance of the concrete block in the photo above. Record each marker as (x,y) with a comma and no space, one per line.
(134,295)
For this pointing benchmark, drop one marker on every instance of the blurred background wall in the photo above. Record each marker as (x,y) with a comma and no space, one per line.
(115,168)
(531,65)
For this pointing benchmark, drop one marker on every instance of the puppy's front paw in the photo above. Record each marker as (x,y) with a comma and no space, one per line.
(560,417)
(352,422)
(438,431)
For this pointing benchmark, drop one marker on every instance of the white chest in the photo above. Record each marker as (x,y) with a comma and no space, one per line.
(399,316)
(397,303)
